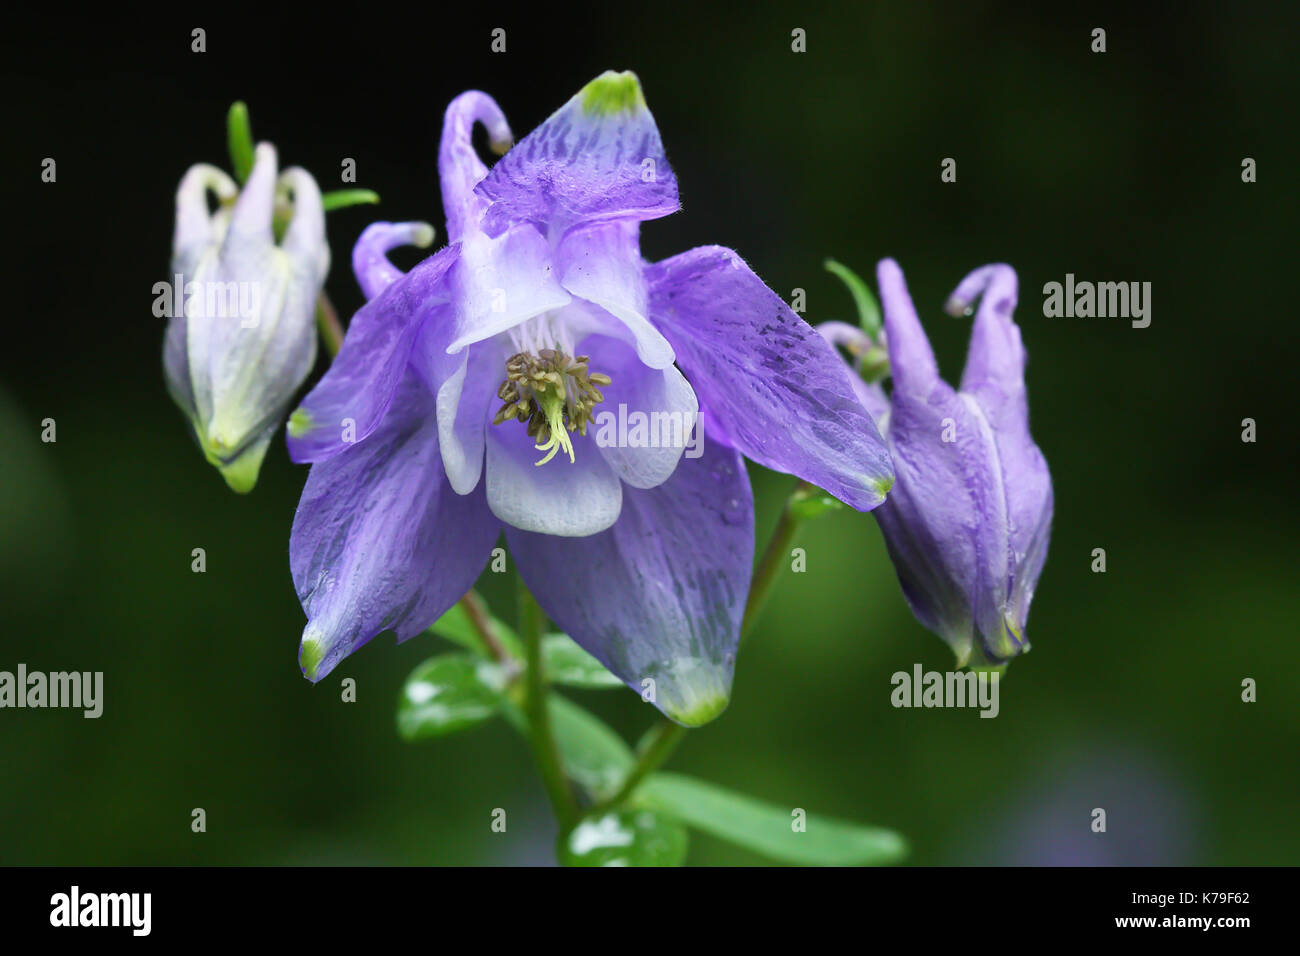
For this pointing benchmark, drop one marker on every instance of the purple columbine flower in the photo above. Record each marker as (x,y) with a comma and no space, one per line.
(967,524)
(469,394)
(242,334)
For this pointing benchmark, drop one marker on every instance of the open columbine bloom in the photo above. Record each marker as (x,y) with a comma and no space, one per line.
(469,394)
(968,522)
(242,334)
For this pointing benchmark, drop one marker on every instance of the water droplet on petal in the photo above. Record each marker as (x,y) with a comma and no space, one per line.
(733,511)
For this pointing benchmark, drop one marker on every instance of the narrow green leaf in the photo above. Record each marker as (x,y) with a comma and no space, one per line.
(569,664)
(595,757)
(449,693)
(342,198)
(627,838)
(455,626)
(868,309)
(239,140)
(768,829)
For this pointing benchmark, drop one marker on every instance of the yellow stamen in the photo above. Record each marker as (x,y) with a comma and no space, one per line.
(553,394)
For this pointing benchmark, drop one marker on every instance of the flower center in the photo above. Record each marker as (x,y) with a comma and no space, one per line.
(553,393)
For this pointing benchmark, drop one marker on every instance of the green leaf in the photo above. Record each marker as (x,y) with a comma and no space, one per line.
(766,828)
(868,309)
(342,198)
(455,626)
(569,664)
(812,502)
(447,694)
(595,757)
(239,140)
(627,838)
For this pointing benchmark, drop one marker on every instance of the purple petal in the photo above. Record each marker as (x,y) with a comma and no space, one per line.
(848,337)
(873,399)
(350,400)
(996,359)
(945,523)
(776,389)
(995,377)
(370,254)
(562,498)
(1029,547)
(941,522)
(911,360)
(599,157)
(660,595)
(853,339)
(648,415)
(459,168)
(380,541)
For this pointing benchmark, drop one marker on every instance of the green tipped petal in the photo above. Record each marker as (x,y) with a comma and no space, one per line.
(692,691)
(300,423)
(991,653)
(1010,641)
(241,474)
(310,653)
(961,643)
(241,471)
(700,711)
(612,93)
(596,159)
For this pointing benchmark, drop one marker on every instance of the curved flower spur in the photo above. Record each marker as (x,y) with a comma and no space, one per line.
(478,392)
(968,524)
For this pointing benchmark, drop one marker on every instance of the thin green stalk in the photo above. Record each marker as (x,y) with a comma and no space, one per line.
(481,620)
(327,320)
(774,558)
(536,710)
(661,741)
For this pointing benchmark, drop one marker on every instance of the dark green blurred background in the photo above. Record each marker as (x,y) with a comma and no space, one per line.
(1121,166)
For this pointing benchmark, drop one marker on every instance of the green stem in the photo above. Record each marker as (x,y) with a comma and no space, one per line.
(661,741)
(538,713)
(327,320)
(773,560)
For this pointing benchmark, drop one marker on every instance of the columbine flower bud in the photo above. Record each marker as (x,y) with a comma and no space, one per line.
(968,521)
(242,334)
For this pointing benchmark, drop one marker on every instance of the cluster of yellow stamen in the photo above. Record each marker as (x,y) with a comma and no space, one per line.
(554,394)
